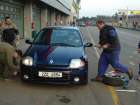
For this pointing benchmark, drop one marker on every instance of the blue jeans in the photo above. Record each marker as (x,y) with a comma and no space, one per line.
(113,60)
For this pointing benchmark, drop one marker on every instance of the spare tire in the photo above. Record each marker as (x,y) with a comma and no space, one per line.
(114,80)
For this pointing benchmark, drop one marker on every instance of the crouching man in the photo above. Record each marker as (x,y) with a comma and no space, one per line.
(10,60)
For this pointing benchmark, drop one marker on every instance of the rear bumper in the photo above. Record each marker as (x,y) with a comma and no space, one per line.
(69,76)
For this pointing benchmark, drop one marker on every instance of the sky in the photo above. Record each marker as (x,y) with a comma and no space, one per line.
(106,7)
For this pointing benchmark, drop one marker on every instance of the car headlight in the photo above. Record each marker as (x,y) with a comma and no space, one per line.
(27,61)
(76,63)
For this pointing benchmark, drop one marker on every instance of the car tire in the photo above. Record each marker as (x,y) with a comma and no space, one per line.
(85,82)
(22,78)
(113,81)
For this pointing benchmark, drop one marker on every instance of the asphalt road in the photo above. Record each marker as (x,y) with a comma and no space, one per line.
(14,92)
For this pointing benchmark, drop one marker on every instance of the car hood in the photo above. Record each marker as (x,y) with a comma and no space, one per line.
(54,55)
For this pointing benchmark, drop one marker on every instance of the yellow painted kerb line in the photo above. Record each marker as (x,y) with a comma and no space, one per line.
(114,95)
(115,98)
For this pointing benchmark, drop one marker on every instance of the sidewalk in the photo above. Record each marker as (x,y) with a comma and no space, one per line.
(129,26)
(138,29)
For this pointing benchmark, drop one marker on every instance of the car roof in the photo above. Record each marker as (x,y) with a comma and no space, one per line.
(61,27)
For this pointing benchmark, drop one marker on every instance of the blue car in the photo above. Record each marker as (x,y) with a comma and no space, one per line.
(56,56)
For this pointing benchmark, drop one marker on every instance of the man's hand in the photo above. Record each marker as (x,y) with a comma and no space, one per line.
(98,46)
(105,46)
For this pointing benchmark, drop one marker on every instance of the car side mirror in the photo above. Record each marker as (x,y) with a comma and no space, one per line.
(88,45)
(29,41)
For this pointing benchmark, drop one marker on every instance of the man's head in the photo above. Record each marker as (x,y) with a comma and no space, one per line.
(100,24)
(8,20)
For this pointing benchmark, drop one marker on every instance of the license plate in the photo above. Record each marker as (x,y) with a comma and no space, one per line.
(50,74)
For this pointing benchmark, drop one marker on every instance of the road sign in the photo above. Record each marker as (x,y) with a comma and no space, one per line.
(134,12)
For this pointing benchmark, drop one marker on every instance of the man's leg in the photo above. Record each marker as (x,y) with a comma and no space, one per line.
(102,65)
(114,61)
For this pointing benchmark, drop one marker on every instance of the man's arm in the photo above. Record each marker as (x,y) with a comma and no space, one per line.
(103,42)
(102,46)
(11,52)
(113,38)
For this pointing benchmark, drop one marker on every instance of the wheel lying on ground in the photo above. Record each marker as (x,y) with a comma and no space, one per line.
(113,79)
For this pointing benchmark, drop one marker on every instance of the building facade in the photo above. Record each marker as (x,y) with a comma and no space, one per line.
(31,15)
(129,18)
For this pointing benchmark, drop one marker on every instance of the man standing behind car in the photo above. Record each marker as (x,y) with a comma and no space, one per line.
(110,44)
(10,32)
(8,23)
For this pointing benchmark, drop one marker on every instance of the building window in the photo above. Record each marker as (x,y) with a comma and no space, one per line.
(15,9)
(7,8)
(2,16)
(11,16)
(1,7)
(15,16)
(11,9)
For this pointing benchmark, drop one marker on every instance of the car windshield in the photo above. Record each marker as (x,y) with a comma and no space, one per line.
(59,37)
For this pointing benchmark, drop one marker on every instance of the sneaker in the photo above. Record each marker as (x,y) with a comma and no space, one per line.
(98,79)
(130,74)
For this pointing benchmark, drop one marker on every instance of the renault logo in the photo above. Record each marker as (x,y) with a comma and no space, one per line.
(51,61)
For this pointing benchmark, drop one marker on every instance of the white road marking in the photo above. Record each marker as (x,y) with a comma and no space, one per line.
(130,56)
(132,63)
(93,43)
(135,52)
(130,91)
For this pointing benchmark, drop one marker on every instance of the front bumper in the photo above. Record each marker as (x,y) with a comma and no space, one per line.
(69,76)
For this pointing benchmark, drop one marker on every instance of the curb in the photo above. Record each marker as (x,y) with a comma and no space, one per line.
(129,28)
